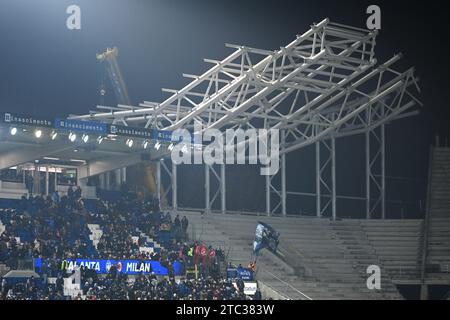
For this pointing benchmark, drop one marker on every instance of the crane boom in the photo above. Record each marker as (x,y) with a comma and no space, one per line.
(121,92)
(117,81)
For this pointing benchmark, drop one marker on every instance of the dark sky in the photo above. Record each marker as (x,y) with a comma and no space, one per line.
(47,69)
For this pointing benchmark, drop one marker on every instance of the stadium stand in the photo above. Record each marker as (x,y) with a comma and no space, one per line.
(322,259)
(317,258)
(128,228)
(397,244)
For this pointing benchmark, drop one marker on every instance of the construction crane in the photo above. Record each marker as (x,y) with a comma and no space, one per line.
(109,57)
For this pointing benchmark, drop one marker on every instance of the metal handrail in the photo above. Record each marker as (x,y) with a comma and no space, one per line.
(287,284)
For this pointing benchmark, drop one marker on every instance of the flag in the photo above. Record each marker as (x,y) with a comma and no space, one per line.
(265,237)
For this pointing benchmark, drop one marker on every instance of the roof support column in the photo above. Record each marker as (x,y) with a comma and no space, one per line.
(174,187)
(268,210)
(318,170)
(283,176)
(333,176)
(158,181)
(375,173)
(367,143)
(47,176)
(383,174)
(223,188)
(167,171)
(207,190)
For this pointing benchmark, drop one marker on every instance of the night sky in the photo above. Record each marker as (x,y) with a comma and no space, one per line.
(49,70)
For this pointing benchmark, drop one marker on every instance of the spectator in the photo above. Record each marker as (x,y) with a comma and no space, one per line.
(77,193)
(197,253)
(184,227)
(211,256)
(177,222)
(204,254)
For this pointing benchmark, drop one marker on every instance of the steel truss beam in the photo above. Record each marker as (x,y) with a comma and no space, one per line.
(251,83)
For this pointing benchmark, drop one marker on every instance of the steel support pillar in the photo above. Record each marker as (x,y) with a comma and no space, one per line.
(47,176)
(124,175)
(207,190)
(326,203)
(36,181)
(220,178)
(283,177)
(375,173)
(158,181)
(108,180)
(368,165)
(118,177)
(272,193)
(56,180)
(383,173)
(223,188)
(268,209)
(276,193)
(318,172)
(333,177)
(174,187)
(167,171)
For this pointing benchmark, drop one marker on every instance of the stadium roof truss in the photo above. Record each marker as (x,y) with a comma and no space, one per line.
(323,85)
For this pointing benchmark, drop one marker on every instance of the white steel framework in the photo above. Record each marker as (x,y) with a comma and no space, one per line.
(324,85)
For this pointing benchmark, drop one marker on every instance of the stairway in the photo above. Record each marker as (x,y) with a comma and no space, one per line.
(398,245)
(318,258)
(238,249)
(96,233)
(359,251)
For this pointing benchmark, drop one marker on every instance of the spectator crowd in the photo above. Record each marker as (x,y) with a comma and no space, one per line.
(55,229)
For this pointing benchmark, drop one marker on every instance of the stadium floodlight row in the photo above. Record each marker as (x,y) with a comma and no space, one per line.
(83,129)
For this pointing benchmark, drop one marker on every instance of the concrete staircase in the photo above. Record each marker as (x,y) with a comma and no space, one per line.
(72,285)
(321,259)
(96,233)
(238,250)
(398,245)
(359,252)
(150,245)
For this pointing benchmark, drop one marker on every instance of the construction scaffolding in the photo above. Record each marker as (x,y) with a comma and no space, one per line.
(324,85)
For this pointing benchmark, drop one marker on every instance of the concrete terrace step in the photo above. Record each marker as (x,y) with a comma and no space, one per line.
(336,252)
